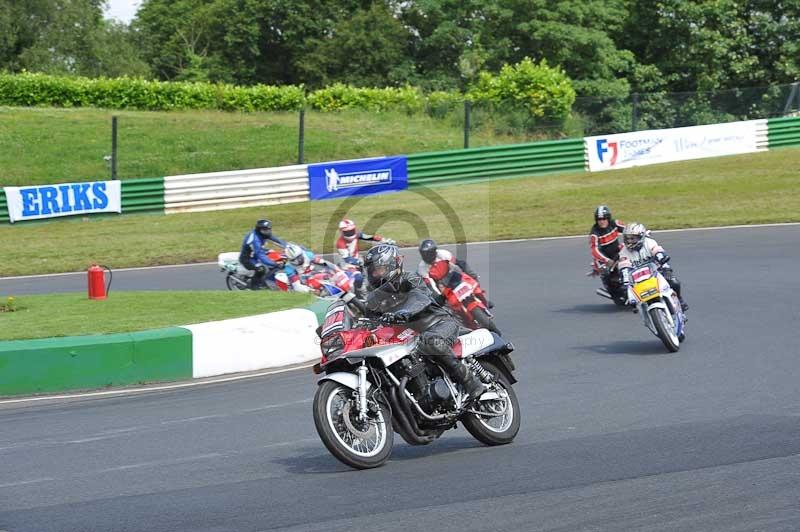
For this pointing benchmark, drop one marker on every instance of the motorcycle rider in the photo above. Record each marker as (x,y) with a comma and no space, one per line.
(441,267)
(302,262)
(396,296)
(640,248)
(604,237)
(431,254)
(347,247)
(253,254)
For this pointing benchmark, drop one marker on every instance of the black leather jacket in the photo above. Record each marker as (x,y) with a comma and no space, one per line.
(414,298)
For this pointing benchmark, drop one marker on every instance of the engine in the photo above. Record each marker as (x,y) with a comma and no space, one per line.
(426,384)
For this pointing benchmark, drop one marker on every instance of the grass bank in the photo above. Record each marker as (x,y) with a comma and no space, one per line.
(72,314)
(745,189)
(65,145)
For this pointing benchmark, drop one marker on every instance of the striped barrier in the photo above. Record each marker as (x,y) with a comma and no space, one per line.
(783,132)
(495,162)
(233,190)
(277,339)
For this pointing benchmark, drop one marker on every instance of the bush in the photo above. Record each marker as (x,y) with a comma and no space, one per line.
(543,92)
(28,89)
(339,96)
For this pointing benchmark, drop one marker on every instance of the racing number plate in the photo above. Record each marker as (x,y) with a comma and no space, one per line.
(462,291)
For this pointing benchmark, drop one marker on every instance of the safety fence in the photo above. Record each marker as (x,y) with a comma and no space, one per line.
(287,184)
(478,164)
(143,195)
(232,190)
(3,207)
(783,132)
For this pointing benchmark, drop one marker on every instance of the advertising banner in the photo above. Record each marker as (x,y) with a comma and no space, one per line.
(65,199)
(625,150)
(357,177)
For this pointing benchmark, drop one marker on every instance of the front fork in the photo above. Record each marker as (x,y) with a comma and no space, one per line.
(362,391)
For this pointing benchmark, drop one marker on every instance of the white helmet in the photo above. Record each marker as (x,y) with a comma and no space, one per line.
(296,255)
(348,229)
(633,236)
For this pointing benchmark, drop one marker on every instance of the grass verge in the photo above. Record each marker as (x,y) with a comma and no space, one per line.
(44,145)
(72,314)
(744,189)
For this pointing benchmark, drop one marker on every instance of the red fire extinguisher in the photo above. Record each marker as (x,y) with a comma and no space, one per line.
(97,285)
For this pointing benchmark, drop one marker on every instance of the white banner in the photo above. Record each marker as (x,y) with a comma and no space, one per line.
(64,199)
(624,150)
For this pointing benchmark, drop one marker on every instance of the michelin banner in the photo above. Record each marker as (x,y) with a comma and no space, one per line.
(65,199)
(624,150)
(357,177)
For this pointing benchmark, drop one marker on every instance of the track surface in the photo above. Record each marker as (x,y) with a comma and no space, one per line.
(616,434)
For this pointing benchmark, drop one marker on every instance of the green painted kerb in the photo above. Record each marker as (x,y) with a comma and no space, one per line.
(83,362)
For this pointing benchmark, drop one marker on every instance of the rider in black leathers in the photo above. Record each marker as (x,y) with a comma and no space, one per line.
(403,297)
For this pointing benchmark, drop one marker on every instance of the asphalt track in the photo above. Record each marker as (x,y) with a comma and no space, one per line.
(616,434)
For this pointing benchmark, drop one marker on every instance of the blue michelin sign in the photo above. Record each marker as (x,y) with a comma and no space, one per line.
(357,177)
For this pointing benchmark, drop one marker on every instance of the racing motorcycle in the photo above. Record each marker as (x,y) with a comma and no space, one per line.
(374,382)
(237,277)
(659,306)
(613,287)
(327,284)
(464,296)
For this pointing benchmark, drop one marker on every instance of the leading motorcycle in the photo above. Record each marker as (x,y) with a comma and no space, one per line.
(375,382)
(237,277)
(659,306)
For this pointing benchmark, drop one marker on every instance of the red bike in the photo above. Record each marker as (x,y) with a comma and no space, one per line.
(464,295)
(375,382)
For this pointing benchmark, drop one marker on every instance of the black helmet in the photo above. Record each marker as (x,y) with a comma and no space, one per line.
(383,266)
(264,228)
(427,250)
(602,212)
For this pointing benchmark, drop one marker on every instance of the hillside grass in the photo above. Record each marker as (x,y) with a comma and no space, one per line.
(744,189)
(72,314)
(45,145)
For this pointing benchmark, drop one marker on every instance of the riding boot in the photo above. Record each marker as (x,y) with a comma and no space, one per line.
(462,375)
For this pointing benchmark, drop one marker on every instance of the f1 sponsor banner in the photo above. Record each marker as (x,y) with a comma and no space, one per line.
(65,199)
(624,150)
(358,177)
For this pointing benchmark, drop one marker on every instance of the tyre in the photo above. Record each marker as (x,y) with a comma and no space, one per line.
(482,318)
(502,426)
(356,444)
(665,332)
(235,283)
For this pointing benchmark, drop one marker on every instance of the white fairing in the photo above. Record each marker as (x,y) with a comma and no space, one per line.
(475,341)
(225,260)
(345,379)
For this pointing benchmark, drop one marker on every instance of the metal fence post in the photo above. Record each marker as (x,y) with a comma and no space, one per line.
(302,139)
(466,123)
(114,147)
(635,111)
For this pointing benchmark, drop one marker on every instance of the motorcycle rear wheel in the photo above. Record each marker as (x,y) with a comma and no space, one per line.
(482,318)
(668,336)
(355,446)
(487,429)
(234,283)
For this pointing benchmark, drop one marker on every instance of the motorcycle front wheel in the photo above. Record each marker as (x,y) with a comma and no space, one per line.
(358,444)
(482,318)
(665,332)
(498,420)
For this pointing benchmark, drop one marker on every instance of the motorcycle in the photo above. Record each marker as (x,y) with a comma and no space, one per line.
(326,284)
(240,278)
(374,382)
(464,296)
(659,306)
(613,288)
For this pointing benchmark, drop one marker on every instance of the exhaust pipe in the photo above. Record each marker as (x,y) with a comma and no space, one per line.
(602,292)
